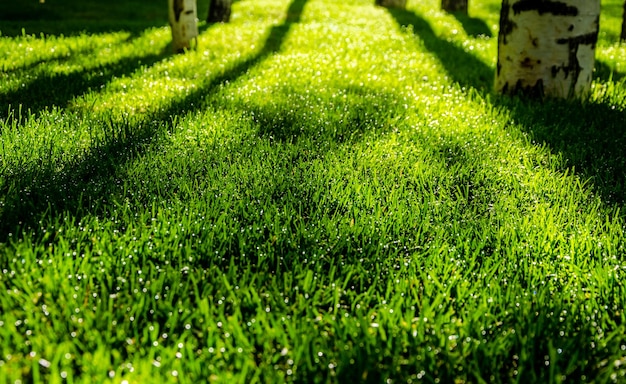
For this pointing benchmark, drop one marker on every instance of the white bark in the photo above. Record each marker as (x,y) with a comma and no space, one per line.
(183,17)
(547,47)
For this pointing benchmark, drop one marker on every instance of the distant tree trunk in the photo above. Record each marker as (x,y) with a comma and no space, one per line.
(623,35)
(219,11)
(454,6)
(547,48)
(391,3)
(182,17)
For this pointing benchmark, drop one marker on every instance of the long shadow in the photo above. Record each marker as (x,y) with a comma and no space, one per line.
(59,58)
(461,67)
(473,26)
(273,44)
(36,191)
(590,136)
(57,90)
(73,17)
(605,72)
(360,115)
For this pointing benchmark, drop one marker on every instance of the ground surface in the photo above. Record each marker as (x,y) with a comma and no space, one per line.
(323,191)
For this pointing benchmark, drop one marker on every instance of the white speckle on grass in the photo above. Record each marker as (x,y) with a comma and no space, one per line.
(44,363)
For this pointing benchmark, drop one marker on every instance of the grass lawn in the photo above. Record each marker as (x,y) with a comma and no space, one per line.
(324,191)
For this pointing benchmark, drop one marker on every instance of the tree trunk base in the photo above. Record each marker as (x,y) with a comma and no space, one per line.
(219,11)
(182,18)
(547,48)
(454,6)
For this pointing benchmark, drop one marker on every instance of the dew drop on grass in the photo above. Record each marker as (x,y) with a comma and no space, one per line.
(44,363)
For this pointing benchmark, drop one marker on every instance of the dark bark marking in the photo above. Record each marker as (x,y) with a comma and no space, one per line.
(535,91)
(527,63)
(178,9)
(506,24)
(573,66)
(554,70)
(556,8)
(588,39)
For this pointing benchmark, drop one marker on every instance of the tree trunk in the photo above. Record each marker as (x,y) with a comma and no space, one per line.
(623,35)
(547,48)
(182,17)
(219,11)
(392,3)
(454,6)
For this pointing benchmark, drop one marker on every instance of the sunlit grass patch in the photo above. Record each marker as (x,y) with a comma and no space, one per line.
(321,191)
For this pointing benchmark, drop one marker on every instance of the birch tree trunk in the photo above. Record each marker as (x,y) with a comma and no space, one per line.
(183,21)
(454,6)
(219,11)
(392,3)
(623,35)
(547,48)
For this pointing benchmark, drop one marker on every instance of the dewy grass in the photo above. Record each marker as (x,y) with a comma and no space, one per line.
(323,191)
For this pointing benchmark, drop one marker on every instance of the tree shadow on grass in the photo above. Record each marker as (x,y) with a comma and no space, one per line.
(463,68)
(74,17)
(92,183)
(473,26)
(50,90)
(604,72)
(58,58)
(273,44)
(361,111)
(590,136)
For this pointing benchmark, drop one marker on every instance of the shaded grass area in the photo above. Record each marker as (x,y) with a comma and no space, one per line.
(323,191)
(71,17)
(593,150)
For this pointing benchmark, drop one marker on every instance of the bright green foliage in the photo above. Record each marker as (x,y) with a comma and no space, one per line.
(324,191)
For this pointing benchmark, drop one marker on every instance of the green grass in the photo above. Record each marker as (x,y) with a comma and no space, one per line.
(323,191)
